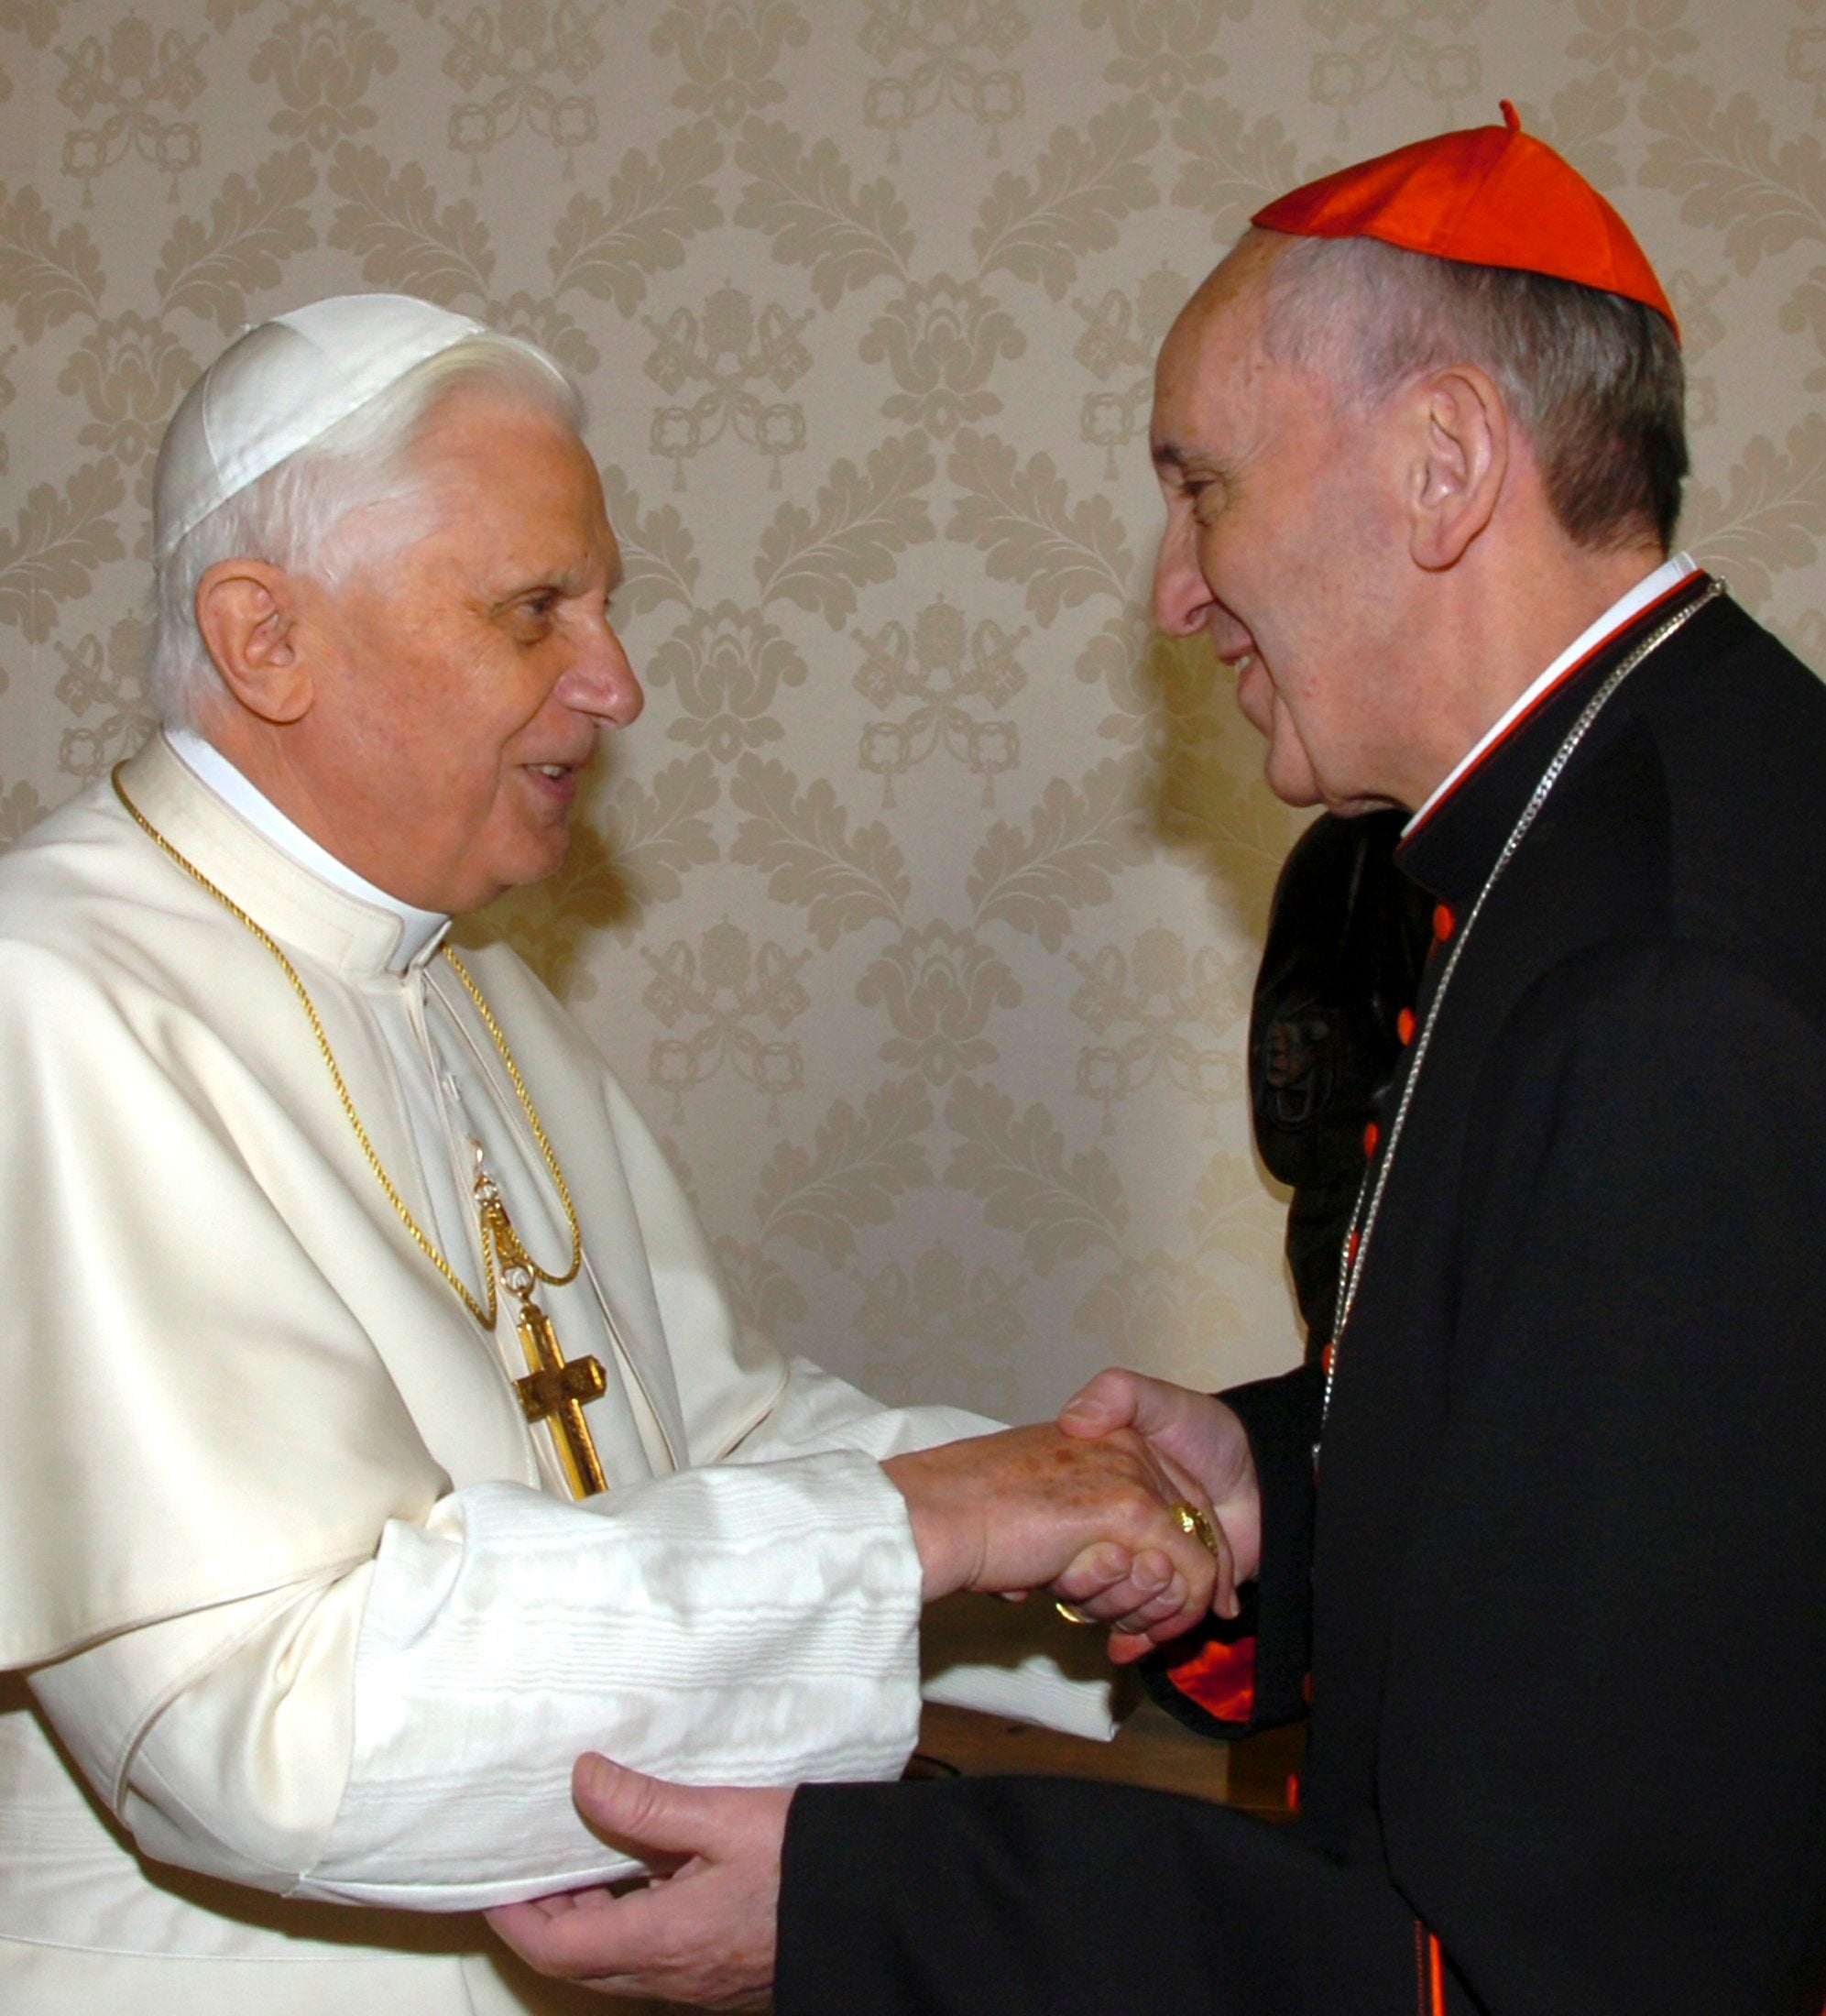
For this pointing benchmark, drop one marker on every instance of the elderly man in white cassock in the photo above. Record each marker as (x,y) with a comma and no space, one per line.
(377,1431)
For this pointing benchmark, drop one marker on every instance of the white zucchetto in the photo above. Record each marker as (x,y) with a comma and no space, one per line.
(282,385)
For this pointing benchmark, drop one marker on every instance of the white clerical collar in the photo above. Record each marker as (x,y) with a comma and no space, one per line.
(1622,612)
(419,929)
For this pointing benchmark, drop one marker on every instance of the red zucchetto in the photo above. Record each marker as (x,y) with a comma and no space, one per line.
(1490,196)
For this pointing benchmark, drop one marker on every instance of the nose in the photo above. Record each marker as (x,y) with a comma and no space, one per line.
(1182,597)
(600,680)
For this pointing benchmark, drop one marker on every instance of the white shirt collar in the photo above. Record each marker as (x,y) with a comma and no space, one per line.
(420,930)
(1625,610)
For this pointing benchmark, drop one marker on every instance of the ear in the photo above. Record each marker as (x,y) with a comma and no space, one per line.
(1463,462)
(247,612)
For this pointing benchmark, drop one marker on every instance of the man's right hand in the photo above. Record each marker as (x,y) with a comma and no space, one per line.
(1195,1433)
(1092,1520)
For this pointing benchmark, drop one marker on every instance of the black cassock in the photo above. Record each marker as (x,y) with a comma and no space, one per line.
(1561,1587)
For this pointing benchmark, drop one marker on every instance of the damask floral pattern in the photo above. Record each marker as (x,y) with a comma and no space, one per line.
(516,58)
(127,88)
(920,910)
(939,988)
(1632,37)
(728,666)
(722,986)
(323,58)
(129,372)
(942,339)
(1165,45)
(727,350)
(936,670)
(935,1325)
(1177,1006)
(729,50)
(938,52)
(100,687)
(1375,45)
(1122,335)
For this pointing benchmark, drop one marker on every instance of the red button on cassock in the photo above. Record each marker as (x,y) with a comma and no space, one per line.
(1443,922)
(1403,1025)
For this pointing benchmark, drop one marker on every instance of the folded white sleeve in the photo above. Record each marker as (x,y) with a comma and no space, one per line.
(404,1735)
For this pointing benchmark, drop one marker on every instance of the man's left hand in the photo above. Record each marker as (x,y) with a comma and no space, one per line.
(702,1933)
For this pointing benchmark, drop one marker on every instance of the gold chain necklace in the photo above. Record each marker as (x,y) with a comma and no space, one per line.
(513,1255)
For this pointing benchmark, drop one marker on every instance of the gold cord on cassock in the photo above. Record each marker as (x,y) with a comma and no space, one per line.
(554,1388)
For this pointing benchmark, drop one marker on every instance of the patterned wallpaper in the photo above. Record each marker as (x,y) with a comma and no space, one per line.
(919,912)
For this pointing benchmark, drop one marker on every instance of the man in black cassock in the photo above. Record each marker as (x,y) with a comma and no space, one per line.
(1542,1536)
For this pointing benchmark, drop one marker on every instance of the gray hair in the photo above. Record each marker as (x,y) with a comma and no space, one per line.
(1593,380)
(293,515)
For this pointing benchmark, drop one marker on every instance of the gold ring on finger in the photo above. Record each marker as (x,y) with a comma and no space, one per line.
(1193,1521)
(1072,1616)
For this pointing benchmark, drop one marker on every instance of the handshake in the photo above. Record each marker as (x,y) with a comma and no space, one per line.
(1139,1510)
(1129,1512)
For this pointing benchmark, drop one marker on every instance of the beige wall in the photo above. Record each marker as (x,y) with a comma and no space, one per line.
(919,910)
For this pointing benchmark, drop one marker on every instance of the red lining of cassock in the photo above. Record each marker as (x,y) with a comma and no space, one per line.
(1220,1678)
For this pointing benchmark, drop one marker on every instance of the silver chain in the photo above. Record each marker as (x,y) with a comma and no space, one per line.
(1369,1197)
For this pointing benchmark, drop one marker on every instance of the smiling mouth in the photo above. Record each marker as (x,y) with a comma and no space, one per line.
(558,767)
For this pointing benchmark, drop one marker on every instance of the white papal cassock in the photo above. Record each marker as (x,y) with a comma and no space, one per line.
(295,1597)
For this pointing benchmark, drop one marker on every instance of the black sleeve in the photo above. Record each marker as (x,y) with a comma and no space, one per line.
(1052,1897)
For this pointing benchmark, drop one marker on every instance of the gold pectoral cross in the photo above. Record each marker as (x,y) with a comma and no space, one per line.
(555,1387)
(556,1390)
